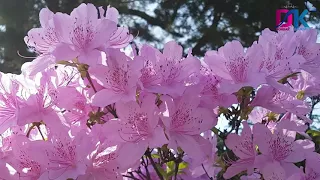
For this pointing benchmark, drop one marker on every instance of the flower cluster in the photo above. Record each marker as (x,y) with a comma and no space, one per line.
(84,109)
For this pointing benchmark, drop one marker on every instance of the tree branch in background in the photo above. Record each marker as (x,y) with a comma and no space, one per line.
(150,20)
(206,37)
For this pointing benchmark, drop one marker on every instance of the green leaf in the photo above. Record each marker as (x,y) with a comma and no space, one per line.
(162,172)
(170,174)
(313,133)
(183,165)
(170,166)
(155,156)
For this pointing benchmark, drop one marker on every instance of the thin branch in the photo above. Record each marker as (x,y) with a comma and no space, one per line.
(146,168)
(151,20)
(91,83)
(30,129)
(148,154)
(176,169)
(38,127)
(205,38)
(132,177)
(218,132)
(141,175)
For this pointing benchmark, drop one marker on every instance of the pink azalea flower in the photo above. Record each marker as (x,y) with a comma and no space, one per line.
(77,110)
(270,98)
(280,147)
(83,34)
(121,37)
(260,114)
(173,70)
(10,101)
(243,147)
(275,38)
(184,121)
(211,95)
(66,76)
(292,123)
(104,163)
(39,105)
(150,73)
(236,67)
(5,172)
(119,79)
(307,46)
(297,176)
(298,108)
(279,59)
(6,146)
(273,171)
(311,170)
(67,156)
(43,41)
(29,159)
(209,164)
(280,102)
(306,84)
(137,127)
(309,49)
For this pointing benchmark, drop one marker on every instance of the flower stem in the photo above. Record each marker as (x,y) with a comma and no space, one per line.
(148,154)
